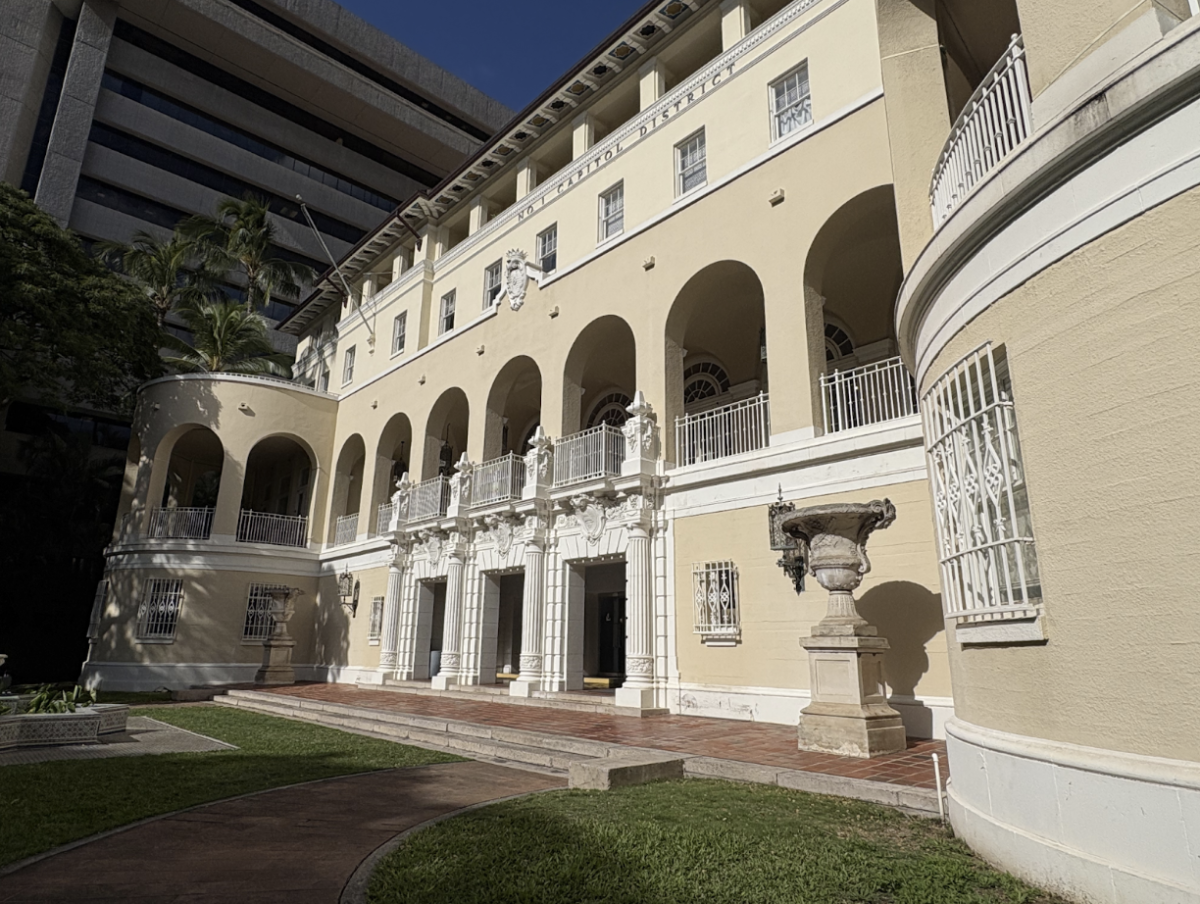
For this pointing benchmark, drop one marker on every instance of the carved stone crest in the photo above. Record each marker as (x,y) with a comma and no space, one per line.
(516,277)
(591,513)
(502,530)
(431,543)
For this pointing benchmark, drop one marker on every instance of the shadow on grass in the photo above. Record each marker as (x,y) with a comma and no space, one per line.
(691,841)
(49,804)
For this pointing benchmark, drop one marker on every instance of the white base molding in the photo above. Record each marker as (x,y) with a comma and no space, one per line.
(1093,825)
(149,676)
(923,717)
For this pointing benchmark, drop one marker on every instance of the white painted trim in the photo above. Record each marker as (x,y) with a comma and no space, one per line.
(1098,825)
(148,676)
(1018,630)
(270,383)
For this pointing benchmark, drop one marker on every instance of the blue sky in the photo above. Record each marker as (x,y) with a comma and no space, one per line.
(510,49)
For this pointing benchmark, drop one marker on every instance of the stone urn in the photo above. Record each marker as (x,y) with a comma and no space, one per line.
(849,714)
(277,648)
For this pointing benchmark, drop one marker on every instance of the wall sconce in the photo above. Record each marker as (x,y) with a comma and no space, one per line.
(348,591)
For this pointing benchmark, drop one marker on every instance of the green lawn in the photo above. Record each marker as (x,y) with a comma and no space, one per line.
(49,804)
(690,841)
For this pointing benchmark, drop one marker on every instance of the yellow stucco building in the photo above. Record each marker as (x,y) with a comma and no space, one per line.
(823,251)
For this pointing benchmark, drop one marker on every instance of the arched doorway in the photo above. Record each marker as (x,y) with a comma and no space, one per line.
(393,457)
(600,377)
(348,490)
(717,365)
(514,409)
(277,492)
(192,482)
(445,434)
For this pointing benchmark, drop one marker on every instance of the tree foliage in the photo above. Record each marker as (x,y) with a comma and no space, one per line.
(226,338)
(171,272)
(241,238)
(71,331)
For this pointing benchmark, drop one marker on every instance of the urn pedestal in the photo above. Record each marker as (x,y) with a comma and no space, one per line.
(849,714)
(277,648)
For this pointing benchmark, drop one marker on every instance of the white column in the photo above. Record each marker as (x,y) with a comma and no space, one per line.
(652,81)
(452,629)
(735,22)
(392,604)
(527,177)
(533,615)
(583,135)
(406,646)
(638,690)
(478,215)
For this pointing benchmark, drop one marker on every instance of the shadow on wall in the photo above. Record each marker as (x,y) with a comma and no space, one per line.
(332,624)
(909,616)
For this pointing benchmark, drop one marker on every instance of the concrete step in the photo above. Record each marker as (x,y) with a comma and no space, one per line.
(491,693)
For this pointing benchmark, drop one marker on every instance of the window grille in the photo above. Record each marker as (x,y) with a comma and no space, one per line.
(399,332)
(985,534)
(612,211)
(837,343)
(446,320)
(159,610)
(704,380)
(547,249)
(376,626)
(715,592)
(691,164)
(258,624)
(99,601)
(493,281)
(791,102)
(612,410)
(348,366)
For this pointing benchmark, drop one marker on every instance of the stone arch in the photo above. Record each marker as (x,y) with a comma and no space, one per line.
(514,408)
(602,363)
(715,342)
(280,476)
(446,434)
(348,479)
(195,463)
(393,459)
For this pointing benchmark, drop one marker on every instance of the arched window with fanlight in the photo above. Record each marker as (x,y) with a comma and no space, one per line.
(610,410)
(838,343)
(703,383)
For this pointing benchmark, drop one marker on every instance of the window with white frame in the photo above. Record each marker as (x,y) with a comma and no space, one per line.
(691,166)
(493,278)
(258,624)
(323,382)
(547,249)
(715,594)
(348,366)
(791,102)
(158,612)
(446,316)
(375,629)
(399,332)
(612,211)
(985,534)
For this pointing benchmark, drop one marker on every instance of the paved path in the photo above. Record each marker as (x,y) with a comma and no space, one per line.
(292,846)
(748,742)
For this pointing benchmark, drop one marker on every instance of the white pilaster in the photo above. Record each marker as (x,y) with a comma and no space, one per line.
(479,214)
(735,22)
(652,81)
(392,604)
(583,134)
(638,690)
(452,630)
(532,619)
(527,177)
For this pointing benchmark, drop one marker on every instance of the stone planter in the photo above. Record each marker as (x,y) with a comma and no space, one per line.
(849,714)
(277,648)
(84,726)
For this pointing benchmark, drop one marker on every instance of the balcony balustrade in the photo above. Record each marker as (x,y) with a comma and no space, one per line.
(180,523)
(429,499)
(499,480)
(345,529)
(730,430)
(994,123)
(383,517)
(274,530)
(588,455)
(871,394)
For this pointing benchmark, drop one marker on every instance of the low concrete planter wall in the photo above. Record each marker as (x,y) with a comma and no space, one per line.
(83,726)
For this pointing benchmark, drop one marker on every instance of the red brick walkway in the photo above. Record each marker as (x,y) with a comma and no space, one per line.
(747,742)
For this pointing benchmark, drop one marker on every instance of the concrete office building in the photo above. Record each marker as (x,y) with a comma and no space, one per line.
(122,115)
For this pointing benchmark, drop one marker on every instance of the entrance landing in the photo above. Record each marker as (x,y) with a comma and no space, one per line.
(718,748)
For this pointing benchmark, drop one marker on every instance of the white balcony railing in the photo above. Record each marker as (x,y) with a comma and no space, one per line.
(181,523)
(729,430)
(383,517)
(992,125)
(275,530)
(870,394)
(499,480)
(345,529)
(594,453)
(429,499)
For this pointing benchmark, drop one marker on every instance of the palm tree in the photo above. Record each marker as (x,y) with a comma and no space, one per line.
(226,338)
(170,272)
(241,237)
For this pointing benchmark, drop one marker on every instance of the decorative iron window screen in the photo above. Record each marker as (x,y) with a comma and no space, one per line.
(791,102)
(399,332)
(375,628)
(547,249)
(691,164)
(612,211)
(493,282)
(348,366)
(158,613)
(985,534)
(715,593)
(446,321)
(258,611)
